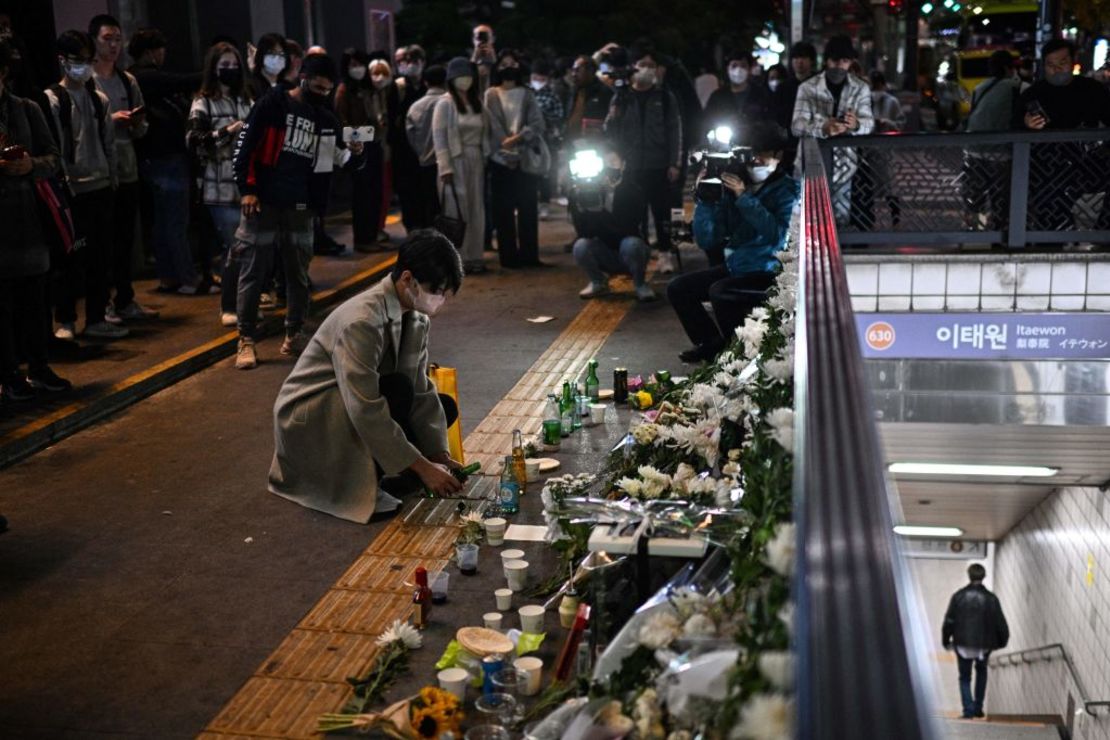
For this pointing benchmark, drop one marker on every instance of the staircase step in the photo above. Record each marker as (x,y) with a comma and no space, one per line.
(964,729)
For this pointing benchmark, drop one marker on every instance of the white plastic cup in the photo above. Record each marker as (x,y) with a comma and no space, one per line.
(532,470)
(516,573)
(507,555)
(504,598)
(597,413)
(495,530)
(455,681)
(532,667)
(492,620)
(531,619)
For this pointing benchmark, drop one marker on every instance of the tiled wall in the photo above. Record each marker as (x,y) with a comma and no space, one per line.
(1069,283)
(1052,575)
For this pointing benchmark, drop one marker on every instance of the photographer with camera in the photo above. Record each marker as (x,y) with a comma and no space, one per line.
(747,213)
(485,56)
(645,124)
(607,209)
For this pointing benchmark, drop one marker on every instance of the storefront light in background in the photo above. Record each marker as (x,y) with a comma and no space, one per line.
(907,530)
(996,471)
(1102,47)
(768,48)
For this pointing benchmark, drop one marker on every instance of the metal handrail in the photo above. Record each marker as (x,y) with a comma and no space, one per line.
(1011,658)
(859,666)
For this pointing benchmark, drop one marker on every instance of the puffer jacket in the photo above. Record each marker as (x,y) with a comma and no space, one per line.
(24,251)
(974,620)
(751,228)
(647,129)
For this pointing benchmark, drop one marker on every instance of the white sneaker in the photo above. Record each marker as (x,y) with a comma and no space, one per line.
(665,263)
(644,293)
(545,212)
(245,356)
(593,290)
(104,330)
(228,318)
(295,344)
(111,316)
(135,311)
(66,332)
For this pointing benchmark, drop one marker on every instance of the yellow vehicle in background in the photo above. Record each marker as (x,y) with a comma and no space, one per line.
(987,27)
(972,67)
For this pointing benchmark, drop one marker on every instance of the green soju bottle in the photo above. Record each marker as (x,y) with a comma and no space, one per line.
(592,384)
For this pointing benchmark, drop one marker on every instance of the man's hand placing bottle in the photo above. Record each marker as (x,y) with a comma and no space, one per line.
(436,475)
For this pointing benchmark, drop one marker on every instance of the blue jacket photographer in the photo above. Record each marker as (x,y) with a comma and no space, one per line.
(607,208)
(741,219)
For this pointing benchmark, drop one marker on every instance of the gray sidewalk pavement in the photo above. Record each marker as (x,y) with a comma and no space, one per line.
(147,572)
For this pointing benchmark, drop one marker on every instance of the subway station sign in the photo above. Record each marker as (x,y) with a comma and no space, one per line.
(981,336)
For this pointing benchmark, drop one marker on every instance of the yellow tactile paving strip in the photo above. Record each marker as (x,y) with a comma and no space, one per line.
(306,674)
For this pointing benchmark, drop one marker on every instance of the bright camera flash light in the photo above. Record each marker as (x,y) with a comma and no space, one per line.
(586,164)
(721,135)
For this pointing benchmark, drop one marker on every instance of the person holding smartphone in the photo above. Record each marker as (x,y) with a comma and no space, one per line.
(125,104)
(1062,100)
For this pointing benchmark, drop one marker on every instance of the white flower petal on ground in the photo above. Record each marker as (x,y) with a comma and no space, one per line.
(401,632)
(778,667)
(766,717)
(781,421)
(781,549)
(659,630)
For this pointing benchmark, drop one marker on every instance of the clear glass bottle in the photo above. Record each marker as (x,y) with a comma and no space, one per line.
(519,467)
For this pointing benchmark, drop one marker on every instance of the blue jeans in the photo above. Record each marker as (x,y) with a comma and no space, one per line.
(226,220)
(168,180)
(597,258)
(973,704)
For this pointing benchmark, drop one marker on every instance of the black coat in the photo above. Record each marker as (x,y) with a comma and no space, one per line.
(974,620)
(629,205)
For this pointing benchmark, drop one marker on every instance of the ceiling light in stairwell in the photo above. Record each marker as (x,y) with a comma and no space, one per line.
(908,530)
(997,471)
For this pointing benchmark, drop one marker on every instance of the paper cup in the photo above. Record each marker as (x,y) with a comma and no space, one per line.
(504,598)
(532,470)
(492,620)
(455,681)
(597,413)
(532,667)
(531,619)
(507,555)
(495,530)
(516,573)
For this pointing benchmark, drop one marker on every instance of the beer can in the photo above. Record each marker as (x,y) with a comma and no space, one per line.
(491,665)
(620,384)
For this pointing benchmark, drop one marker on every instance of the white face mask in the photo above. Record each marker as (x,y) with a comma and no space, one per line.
(427,303)
(462,84)
(737,75)
(646,77)
(380,81)
(538,84)
(79,72)
(774,84)
(760,173)
(357,73)
(273,64)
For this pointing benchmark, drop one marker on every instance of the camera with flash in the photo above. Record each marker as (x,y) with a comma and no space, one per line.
(716,158)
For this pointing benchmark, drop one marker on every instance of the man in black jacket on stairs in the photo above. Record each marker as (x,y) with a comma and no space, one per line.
(974,626)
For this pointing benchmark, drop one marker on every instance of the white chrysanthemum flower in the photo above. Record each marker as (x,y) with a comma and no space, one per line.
(472,517)
(781,421)
(645,434)
(648,716)
(402,632)
(731,469)
(780,370)
(734,454)
(781,548)
(699,625)
(766,717)
(685,472)
(786,616)
(760,313)
(680,735)
(778,667)
(688,601)
(634,487)
(659,630)
(723,494)
(751,334)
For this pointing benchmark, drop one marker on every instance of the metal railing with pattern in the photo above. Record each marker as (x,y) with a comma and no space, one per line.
(1013,188)
(859,644)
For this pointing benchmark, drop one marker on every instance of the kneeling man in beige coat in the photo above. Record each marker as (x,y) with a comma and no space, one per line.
(359,403)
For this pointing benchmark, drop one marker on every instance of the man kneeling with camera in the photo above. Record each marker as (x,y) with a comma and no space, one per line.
(747,213)
(607,209)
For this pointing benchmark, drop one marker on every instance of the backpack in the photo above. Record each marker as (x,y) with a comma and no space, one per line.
(65,115)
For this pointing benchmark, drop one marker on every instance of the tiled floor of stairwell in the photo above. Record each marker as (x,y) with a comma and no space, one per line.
(983,284)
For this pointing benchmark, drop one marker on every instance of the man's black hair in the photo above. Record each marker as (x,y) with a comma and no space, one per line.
(764,136)
(1055,45)
(99,21)
(976,573)
(148,39)
(840,47)
(432,259)
(542,67)
(739,55)
(435,76)
(320,65)
(803,49)
(1000,64)
(877,78)
(76,44)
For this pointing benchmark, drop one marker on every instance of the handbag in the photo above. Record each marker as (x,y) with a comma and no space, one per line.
(452,227)
(56,216)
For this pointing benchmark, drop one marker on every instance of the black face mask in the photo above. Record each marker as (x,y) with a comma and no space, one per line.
(315,98)
(228,75)
(510,74)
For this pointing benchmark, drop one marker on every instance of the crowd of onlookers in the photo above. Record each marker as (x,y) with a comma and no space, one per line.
(241,154)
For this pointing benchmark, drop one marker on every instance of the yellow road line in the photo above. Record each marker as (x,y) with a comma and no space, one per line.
(305,676)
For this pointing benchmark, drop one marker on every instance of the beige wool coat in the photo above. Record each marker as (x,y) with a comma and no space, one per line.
(331,423)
